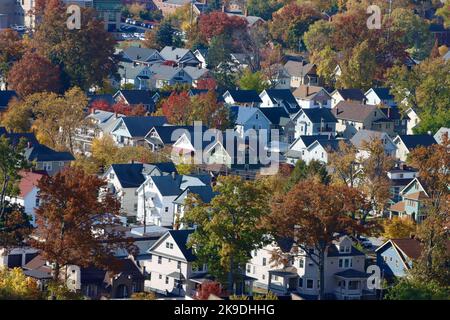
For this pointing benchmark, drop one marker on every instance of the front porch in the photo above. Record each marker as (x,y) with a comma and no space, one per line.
(350,284)
(283,281)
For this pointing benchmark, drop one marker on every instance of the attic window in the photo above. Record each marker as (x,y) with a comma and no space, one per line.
(169,245)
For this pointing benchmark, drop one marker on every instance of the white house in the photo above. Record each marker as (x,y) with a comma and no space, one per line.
(170,267)
(366,136)
(28,196)
(124,180)
(413,121)
(309,148)
(345,275)
(406,143)
(244,98)
(316,121)
(272,98)
(131,131)
(312,97)
(377,96)
(246,119)
(156,195)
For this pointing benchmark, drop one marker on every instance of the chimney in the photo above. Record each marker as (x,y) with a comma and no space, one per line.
(92,110)
(173,175)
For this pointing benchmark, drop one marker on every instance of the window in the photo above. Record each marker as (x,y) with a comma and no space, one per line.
(166,209)
(264,261)
(257,116)
(160,276)
(135,207)
(47,166)
(345,263)
(159,260)
(309,283)
(248,268)
(300,263)
(300,282)
(167,280)
(169,245)
(264,277)
(178,264)
(111,175)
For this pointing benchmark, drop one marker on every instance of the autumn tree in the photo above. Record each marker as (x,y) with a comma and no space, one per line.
(86,56)
(229,228)
(373,180)
(291,21)
(74,226)
(176,108)
(40,74)
(397,228)
(426,89)
(433,163)
(219,23)
(11,50)
(312,215)
(343,164)
(412,289)
(15,285)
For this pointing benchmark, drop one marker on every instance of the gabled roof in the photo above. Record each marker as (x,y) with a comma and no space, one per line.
(39,152)
(327,144)
(349,110)
(244,96)
(5,97)
(351,94)
(317,115)
(195,73)
(165,132)
(173,54)
(140,126)
(28,181)
(382,93)
(181,238)
(138,54)
(129,174)
(276,115)
(299,68)
(205,193)
(412,141)
(277,95)
(368,135)
(138,96)
(307,92)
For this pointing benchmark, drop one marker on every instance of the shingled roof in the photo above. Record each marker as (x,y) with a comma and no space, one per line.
(349,110)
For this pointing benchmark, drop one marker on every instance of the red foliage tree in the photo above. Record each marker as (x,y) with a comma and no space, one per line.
(34,73)
(207,84)
(69,213)
(101,104)
(177,108)
(217,23)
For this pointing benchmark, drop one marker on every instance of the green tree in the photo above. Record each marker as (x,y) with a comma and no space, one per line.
(409,289)
(15,285)
(253,81)
(315,170)
(359,71)
(229,228)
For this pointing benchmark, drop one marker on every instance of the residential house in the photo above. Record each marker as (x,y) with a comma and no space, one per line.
(316,121)
(99,123)
(412,121)
(156,195)
(17,257)
(439,135)
(380,96)
(400,176)
(366,136)
(354,95)
(302,73)
(180,56)
(204,193)
(133,98)
(131,73)
(252,21)
(131,131)
(142,56)
(202,56)
(163,75)
(406,143)
(412,204)
(173,269)
(353,116)
(396,256)
(197,74)
(243,98)
(5,97)
(160,137)
(399,120)
(345,275)
(279,78)
(309,97)
(124,180)
(279,98)
(42,157)
(281,121)
(309,148)
(249,122)
(28,197)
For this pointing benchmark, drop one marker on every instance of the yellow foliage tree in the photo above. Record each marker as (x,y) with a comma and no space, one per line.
(15,285)
(397,228)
